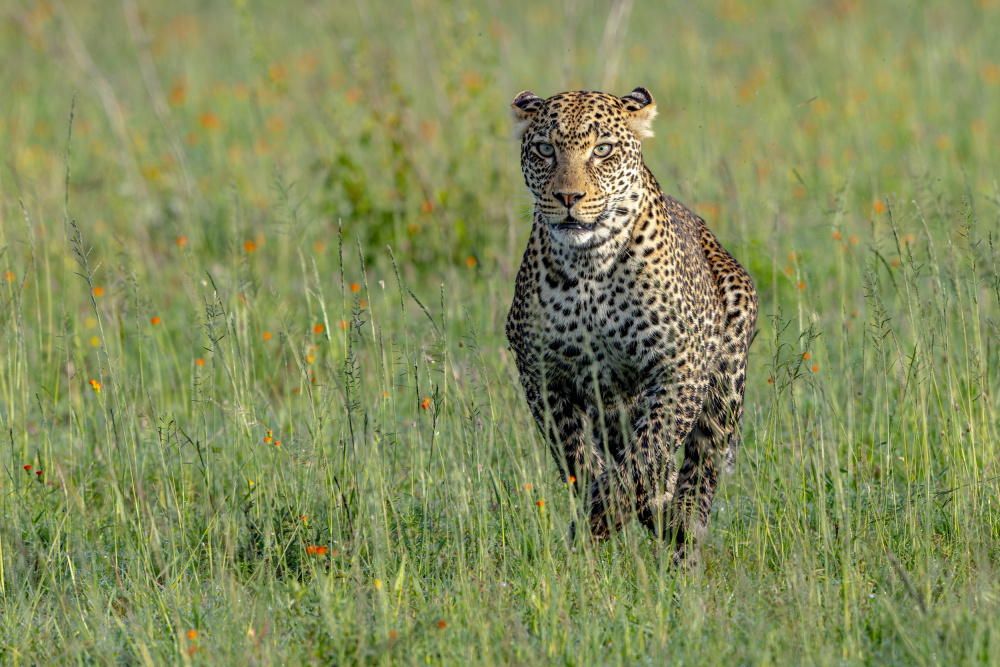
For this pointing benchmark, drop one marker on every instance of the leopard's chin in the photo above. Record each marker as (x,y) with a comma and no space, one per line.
(578,236)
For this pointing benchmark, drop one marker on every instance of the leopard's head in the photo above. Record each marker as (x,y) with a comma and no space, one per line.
(581,158)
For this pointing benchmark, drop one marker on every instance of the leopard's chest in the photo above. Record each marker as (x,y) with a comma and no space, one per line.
(588,332)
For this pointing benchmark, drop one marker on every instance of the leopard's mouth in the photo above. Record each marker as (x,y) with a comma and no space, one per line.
(571,223)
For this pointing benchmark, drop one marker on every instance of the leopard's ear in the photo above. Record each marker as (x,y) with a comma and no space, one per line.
(524,107)
(642,110)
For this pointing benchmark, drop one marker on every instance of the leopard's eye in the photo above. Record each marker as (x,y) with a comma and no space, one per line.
(603,150)
(545,150)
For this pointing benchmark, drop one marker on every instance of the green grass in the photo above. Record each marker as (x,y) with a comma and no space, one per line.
(845,152)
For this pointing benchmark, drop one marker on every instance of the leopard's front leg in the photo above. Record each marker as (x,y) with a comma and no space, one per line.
(645,470)
(562,423)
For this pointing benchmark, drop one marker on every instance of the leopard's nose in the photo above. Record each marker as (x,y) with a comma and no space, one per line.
(569,198)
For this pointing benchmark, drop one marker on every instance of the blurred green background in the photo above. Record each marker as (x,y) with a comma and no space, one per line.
(301,222)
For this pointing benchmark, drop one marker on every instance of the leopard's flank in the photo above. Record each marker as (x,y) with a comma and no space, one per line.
(630,323)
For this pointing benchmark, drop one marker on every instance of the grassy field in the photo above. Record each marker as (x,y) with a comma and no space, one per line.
(255,400)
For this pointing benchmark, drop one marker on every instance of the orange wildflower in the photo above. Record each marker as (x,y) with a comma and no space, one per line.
(427,207)
(879,206)
(98,291)
(9,276)
(200,362)
(990,73)
(769,380)
(267,335)
(210,121)
(805,356)
(815,368)
(342,324)
(572,479)
(355,287)
(802,285)
(192,634)
(853,240)
(275,123)
(250,246)
(155,320)
(540,503)
(318,328)
(277,73)
(470,261)
(178,94)
(442,624)
(181,241)
(707,209)
(425,404)
(837,236)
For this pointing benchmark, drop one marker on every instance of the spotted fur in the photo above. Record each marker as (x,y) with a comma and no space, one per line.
(630,323)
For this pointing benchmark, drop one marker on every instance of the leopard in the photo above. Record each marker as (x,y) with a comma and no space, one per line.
(630,324)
